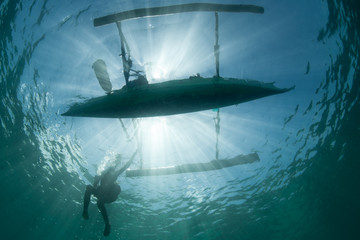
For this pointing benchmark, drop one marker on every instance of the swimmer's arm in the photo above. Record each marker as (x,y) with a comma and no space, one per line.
(127,165)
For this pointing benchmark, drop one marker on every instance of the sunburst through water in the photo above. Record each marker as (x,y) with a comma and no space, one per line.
(306,184)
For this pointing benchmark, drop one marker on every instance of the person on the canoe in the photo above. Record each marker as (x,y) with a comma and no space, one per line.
(106,192)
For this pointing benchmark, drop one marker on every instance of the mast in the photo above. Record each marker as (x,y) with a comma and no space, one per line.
(127,63)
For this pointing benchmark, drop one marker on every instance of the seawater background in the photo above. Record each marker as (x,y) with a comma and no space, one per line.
(306,185)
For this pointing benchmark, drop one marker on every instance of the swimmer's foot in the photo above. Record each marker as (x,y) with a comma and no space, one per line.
(85,214)
(107,230)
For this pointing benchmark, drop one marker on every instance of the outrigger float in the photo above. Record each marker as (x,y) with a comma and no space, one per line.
(194,167)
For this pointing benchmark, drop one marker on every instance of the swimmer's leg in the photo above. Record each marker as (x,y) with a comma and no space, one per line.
(103,211)
(88,192)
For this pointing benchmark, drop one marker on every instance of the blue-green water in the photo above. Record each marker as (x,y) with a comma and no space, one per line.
(306,184)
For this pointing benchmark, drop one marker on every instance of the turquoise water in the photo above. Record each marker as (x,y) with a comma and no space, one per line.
(306,184)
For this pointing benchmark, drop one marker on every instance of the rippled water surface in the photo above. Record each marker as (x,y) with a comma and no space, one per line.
(306,184)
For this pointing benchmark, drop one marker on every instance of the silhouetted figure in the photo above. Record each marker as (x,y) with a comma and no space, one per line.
(106,192)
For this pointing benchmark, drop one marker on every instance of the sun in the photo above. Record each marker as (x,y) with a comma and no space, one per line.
(157,72)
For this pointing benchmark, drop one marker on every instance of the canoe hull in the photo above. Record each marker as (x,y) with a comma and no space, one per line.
(173,97)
